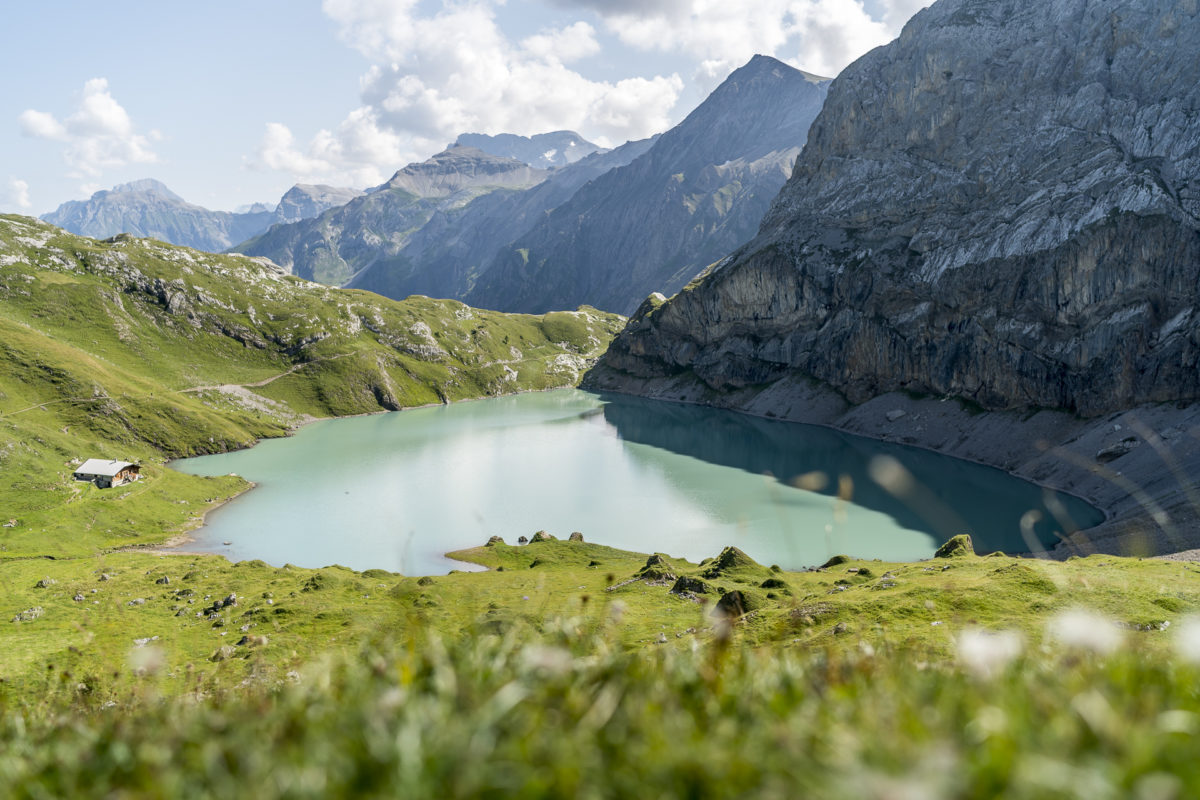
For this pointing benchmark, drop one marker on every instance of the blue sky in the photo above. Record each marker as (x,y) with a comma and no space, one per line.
(230,102)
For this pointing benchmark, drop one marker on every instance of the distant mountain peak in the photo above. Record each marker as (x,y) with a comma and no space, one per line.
(460,167)
(543,150)
(761,63)
(146,186)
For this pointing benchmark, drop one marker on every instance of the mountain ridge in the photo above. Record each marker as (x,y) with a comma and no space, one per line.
(147,207)
(653,224)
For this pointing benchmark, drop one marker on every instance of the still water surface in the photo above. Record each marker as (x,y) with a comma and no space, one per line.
(396,491)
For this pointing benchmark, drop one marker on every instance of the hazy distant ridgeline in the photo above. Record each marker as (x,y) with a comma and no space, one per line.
(148,208)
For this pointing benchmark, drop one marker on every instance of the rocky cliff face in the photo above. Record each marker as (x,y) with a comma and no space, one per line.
(449,254)
(305,201)
(652,225)
(149,208)
(1001,205)
(372,230)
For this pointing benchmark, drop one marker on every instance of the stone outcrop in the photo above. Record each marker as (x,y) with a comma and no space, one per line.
(1003,205)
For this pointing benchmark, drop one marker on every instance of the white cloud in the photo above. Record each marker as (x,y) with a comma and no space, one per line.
(437,75)
(98,135)
(17,195)
(440,68)
(357,153)
(820,36)
(41,125)
(565,45)
(898,12)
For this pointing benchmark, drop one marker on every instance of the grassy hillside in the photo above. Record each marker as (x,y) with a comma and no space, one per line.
(137,350)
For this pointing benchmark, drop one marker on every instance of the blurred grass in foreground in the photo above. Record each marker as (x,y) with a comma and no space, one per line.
(570,712)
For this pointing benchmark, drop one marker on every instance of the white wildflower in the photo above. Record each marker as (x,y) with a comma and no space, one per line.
(985,654)
(147,660)
(554,660)
(1085,630)
(1187,639)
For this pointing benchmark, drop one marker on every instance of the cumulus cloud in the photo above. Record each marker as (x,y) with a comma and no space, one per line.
(435,75)
(565,45)
(17,195)
(357,153)
(97,135)
(820,36)
(440,68)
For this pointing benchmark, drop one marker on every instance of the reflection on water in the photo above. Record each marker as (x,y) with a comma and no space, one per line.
(395,491)
(949,496)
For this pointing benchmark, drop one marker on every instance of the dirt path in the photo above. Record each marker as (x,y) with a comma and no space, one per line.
(229,388)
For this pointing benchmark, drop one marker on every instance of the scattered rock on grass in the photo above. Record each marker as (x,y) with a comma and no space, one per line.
(28,615)
(689,585)
(222,653)
(575,536)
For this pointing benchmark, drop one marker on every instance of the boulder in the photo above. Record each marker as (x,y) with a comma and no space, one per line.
(735,604)
(575,536)
(493,541)
(542,536)
(222,653)
(688,585)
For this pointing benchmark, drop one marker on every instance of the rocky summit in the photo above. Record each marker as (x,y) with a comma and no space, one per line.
(1002,205)
(372,230)
(696,194)
(543,150)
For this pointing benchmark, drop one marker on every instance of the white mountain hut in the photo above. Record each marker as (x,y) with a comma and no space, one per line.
(105,473)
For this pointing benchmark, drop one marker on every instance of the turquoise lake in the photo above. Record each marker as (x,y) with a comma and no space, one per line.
(396,491)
